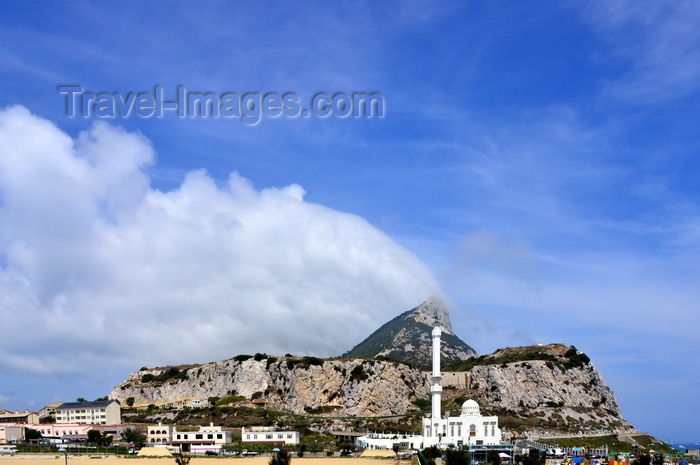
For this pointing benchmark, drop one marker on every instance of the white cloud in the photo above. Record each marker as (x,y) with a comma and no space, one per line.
(97,266)
(654,43)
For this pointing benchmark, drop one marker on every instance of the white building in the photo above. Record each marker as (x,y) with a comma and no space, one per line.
(102,412)
(207,438)
(159,434)
(267,435)
(468,429)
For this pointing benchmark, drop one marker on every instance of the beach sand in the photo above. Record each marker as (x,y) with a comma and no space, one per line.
(48,459)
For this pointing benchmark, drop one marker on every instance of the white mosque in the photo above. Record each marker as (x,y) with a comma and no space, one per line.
(468,429)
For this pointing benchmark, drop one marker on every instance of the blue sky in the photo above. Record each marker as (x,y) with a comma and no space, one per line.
(536,166)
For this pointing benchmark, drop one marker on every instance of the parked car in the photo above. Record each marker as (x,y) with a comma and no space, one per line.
(230,453)
(211,452)
(132,451)
(248,453)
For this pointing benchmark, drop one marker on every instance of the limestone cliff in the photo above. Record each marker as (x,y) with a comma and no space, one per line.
(352,387)
(553,387)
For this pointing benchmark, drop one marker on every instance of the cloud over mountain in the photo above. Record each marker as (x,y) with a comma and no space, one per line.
(98,266)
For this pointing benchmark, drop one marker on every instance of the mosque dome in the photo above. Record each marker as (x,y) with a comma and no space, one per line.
(470,407)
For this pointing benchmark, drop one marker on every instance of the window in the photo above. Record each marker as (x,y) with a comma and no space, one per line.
(199,436)
(210,436)
(268,436)
(219,436)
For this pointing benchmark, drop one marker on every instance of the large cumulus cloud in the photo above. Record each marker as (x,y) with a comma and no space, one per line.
(97,266)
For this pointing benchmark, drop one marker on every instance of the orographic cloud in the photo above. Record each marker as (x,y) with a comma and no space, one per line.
(98,266)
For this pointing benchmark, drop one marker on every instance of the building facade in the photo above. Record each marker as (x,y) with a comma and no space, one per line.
(159,434)
(19,417)
(207,438)
(268,435)
(11,433)
(92,413)
(179,404)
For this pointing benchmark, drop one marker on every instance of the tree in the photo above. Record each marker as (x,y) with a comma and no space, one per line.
(432,452)
(81,399)
(30,434)
(101,399)
(181,459)
(456,457)
(132,435)
(99,438)
(212,401)
(283,457)
(130,401)
(493,458)
(533,458)
(94,436)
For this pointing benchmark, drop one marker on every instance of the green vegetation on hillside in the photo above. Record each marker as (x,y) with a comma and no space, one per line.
(418,335)
(572,358)
(168,374)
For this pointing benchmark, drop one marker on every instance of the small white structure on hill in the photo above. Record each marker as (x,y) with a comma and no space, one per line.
(469,428)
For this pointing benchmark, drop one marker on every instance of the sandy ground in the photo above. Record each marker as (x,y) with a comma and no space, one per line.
(47,459)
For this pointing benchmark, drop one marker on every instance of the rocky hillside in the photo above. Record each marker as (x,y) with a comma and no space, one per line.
(553,387)
(550,388)
(407,338)
(532,389)
(348,387)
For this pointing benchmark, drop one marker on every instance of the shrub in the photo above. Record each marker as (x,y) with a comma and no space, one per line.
(358,373)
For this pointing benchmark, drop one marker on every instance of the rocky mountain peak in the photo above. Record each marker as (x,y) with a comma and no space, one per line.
(407,337)
(432,312)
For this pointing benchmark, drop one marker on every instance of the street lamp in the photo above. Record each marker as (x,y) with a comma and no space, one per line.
(65,453)
(276,450)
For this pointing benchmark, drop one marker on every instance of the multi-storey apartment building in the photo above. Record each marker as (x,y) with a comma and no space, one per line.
(103,412)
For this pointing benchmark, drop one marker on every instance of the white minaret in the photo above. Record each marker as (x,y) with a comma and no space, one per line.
(436,388)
